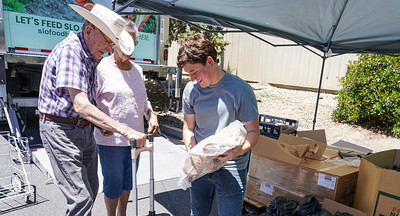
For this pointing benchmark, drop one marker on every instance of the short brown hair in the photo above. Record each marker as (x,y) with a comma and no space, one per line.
(196,49)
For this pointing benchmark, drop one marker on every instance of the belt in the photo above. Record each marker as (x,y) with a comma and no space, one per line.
(79,122)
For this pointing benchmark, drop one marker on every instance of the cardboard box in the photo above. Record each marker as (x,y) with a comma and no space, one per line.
(350,146)
(333,207)
(289,149)
(317,135)
(378,187)
(281,166)
(264,192)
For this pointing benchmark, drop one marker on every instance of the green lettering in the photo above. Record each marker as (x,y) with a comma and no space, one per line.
(68,26)
(51,24)
(144,37)
(17,20)
(76,28)
(23,20)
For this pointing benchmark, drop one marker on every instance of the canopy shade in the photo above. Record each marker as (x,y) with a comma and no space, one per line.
(330,26)
(345,26)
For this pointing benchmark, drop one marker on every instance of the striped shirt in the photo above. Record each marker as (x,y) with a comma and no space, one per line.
(69,65)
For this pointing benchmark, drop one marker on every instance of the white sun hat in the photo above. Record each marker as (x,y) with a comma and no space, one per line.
(110,23)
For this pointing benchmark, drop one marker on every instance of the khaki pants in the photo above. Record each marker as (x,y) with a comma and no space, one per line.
(73,155)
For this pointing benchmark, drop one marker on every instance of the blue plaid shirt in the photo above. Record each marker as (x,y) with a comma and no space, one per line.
(69,65)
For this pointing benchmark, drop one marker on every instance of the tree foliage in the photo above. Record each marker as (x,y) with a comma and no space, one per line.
(370,94)
(178,30)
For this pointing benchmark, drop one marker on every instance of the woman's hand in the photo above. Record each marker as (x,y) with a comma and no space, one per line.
(153,125)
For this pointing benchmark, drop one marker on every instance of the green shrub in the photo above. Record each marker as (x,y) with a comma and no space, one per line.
(370,94)
(230,70)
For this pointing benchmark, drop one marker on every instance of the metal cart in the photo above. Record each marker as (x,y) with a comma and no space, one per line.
(14,155)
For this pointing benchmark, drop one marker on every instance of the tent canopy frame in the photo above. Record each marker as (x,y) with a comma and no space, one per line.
(346,41)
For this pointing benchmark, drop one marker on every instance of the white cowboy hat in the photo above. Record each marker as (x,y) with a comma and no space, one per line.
(110,23)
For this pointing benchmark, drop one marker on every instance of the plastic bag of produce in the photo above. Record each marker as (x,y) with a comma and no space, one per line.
(201,158)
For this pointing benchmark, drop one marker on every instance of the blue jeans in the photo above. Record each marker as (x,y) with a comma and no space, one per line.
(73,156)
(227,185)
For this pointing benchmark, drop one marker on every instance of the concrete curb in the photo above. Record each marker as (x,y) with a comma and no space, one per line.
(171,131)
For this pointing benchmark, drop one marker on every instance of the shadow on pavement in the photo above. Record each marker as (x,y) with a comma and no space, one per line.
(12,205)
(177,202)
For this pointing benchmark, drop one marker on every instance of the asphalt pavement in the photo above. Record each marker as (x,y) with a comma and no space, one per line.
(48,200)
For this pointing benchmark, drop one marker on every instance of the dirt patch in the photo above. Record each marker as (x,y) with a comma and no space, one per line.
(292,104)
(160,103)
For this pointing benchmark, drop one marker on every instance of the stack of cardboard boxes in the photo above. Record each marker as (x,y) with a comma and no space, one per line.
(297,166)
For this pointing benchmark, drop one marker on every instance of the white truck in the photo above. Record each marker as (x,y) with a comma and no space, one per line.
(30,29)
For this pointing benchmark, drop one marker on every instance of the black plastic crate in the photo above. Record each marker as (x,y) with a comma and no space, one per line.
(273,126)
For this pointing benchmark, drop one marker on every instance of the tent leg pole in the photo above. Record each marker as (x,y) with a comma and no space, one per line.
(319,89)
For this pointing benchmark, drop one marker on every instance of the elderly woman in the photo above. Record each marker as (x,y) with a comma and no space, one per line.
(120,93)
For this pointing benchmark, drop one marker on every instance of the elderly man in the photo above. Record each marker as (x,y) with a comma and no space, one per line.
(67,105)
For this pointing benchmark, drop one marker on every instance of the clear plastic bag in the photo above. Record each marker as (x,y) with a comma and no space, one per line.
(201,158)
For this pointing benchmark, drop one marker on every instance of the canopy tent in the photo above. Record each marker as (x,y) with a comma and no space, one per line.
(333,27)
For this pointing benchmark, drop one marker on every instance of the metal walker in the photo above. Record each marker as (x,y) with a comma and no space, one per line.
(134,154)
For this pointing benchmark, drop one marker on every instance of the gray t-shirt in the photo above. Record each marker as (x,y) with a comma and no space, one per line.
(218,105)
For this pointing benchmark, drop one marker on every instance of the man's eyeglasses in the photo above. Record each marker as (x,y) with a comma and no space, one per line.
(107,42)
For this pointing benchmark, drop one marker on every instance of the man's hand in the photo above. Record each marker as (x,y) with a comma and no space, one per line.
(253,134)
(189,122)
(229,155)
(189,147)
(106,132)
(139,137)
